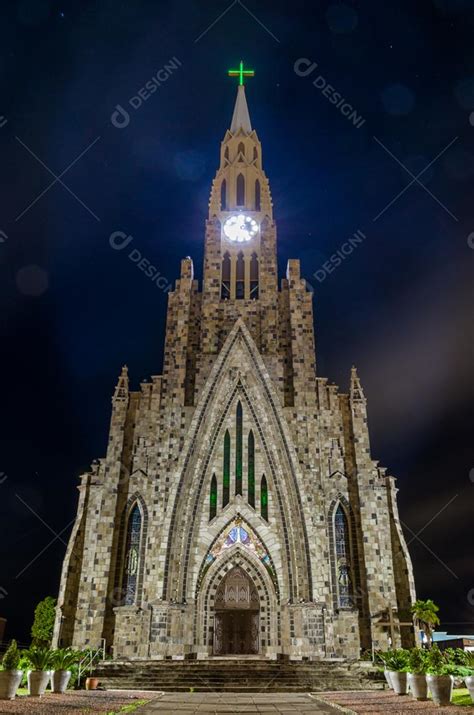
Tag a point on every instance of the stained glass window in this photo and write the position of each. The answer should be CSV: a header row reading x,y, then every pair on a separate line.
x,y
238,450
264,498
213,498
343,565
226,470
132,556
238,535
251,469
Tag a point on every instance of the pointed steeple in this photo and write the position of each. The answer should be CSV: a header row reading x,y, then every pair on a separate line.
x,y
357,393
241,117
121,389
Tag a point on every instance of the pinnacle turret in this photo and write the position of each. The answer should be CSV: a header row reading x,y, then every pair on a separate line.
x,y
121,389
357,393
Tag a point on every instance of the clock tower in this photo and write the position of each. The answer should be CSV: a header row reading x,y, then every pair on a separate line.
x,y
240,261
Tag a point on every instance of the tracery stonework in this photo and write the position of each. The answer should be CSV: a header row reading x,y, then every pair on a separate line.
x,y
238,508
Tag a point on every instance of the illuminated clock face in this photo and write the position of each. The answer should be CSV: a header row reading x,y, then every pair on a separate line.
x,y
240,228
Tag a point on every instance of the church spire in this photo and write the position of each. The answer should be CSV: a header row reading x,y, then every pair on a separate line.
x,y
240,184
241,117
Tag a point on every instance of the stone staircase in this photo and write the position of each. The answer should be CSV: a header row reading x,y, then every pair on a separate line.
x,y
238,675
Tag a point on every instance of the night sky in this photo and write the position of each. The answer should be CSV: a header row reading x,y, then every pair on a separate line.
x,y
73,310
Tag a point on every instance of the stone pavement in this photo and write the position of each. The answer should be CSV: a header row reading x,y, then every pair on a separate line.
x,y
202,703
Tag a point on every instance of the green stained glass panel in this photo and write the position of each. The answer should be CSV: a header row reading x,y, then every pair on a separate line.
x,y
238,451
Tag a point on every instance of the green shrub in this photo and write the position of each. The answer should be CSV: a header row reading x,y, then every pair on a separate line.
x,y
456,656
65,658
469,660
11,658
43,624
395,660
39,658
437,662
417,661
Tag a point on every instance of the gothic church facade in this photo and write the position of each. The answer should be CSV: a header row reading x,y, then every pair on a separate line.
x,y
238,509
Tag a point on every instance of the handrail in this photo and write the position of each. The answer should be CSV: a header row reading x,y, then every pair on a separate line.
x,y
92,657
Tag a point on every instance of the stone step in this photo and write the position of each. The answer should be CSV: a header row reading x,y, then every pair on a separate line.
x,y
241,675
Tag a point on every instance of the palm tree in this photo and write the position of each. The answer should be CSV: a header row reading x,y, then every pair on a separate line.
x,y
426,618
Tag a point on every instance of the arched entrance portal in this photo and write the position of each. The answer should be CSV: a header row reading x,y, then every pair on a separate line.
x,y
237,615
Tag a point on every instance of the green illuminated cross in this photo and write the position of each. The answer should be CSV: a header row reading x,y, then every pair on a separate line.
x,y
241,73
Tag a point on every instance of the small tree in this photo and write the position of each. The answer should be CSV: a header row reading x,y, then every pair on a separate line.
x,y
425,614
43,624
11,657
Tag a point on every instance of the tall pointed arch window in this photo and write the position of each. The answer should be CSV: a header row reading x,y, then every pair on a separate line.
x,y
238,449
132,556
253,277
241,149
343,558
226,470
255,153
240,190
213,498
226,153
240,277
264,498
223,195
225,282
251,469
257,195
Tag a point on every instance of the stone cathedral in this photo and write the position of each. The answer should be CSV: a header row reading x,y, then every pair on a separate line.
x,y
238,509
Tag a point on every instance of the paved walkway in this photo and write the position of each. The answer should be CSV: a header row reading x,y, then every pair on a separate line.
x,y
202,703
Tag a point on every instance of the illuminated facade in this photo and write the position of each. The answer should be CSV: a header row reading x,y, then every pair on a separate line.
x,y
238,508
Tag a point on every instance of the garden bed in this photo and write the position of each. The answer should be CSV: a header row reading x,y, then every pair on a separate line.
x,y
73,702
387,703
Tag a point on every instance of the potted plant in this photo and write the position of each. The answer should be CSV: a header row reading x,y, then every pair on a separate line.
x,y
62,660
10,675
417,674
383,658
40,660
469,679
397,664
439,679
425,614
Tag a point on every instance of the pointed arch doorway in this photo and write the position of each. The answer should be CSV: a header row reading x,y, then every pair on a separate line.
x,y
237,615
